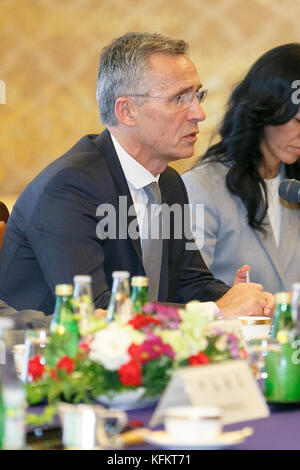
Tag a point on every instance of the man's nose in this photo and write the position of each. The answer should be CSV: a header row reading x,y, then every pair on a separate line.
x,y
196,112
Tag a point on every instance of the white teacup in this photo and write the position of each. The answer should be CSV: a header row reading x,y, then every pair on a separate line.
x,y
255,327
193,423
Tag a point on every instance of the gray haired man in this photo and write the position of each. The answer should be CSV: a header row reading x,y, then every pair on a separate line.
x,y
149,95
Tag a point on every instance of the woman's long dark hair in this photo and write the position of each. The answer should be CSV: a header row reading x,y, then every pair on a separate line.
x,y
263,98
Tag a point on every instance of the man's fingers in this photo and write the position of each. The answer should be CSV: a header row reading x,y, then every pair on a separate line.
x,y
256,286
270,304
240,275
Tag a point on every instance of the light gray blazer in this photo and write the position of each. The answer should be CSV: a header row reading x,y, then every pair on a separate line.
x,y
229,242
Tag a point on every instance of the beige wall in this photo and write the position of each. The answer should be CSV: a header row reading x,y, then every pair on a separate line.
x,y
49,57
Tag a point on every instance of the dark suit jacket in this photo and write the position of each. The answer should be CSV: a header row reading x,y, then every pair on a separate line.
x,y
51,234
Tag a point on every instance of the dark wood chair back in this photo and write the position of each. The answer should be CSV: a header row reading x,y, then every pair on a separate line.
x,y
4,214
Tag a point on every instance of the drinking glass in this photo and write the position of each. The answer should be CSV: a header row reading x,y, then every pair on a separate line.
x,y
89,427
257,350
34,354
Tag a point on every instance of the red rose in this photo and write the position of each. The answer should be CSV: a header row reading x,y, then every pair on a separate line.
x,y
130,373
199,358
141,321
35,368
65,363
135,351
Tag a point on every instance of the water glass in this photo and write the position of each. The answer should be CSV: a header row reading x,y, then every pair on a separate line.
x,y
257,350
34,359
88,427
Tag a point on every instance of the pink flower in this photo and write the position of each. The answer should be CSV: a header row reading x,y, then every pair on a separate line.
x,y
168,317
154,347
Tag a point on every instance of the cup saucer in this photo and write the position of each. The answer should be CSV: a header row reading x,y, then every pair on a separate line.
x,y
164,440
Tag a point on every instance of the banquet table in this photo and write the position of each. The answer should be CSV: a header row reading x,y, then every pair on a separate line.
x,y
279,431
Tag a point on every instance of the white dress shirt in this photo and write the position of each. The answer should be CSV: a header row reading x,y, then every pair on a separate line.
x,y
137,177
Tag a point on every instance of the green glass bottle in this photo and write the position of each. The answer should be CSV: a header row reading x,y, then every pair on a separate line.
x,y
282,322
64,324
83,305
282,365
139,292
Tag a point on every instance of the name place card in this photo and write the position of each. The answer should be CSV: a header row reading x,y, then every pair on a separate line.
x,y
228,385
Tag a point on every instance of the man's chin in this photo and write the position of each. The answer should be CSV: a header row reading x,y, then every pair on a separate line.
x,y
183,156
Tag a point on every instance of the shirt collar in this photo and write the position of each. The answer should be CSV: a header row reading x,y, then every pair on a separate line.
x,y
135,173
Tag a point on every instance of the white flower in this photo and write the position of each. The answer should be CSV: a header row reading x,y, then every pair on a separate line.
x,y
221,343
110,347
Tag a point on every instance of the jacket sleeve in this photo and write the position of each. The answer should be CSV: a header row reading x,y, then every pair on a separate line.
x,y
63,233
25,318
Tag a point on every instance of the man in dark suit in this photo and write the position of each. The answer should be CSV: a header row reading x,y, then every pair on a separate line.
x,y
149,95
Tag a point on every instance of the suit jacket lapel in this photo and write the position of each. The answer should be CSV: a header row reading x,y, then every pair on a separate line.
x,y
268,243
104,143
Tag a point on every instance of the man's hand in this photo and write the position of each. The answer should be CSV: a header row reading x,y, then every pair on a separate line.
x,y
240,275
246,299
100,313
269,308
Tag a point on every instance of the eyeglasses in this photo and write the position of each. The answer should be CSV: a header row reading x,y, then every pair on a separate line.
x,y
183,101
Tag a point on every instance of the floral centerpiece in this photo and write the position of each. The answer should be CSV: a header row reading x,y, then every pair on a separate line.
x,y
129,354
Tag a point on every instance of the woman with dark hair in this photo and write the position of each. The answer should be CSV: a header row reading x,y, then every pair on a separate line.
x,y
245,221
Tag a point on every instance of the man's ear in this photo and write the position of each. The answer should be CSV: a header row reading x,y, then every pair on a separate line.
x,y
125,110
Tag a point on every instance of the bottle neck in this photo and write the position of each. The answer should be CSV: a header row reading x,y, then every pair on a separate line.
x,y
139,297
120,301
63,309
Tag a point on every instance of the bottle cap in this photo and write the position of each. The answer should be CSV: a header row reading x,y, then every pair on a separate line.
x,y
64,289
82,278
283,297
139,281
121,274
